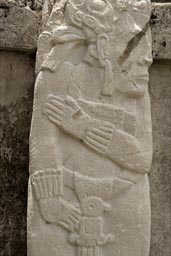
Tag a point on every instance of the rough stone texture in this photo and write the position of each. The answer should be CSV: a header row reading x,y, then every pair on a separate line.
x,y
32,4
14,173
91,135
160,176
16,93
19,26
161,31
27,12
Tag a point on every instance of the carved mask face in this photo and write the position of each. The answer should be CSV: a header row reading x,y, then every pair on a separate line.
x,y
92,16
92,207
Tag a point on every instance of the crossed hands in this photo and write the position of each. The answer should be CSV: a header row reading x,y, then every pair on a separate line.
x,y
68,116
62,111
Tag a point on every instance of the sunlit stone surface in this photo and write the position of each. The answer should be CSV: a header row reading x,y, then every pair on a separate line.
x,y
90,141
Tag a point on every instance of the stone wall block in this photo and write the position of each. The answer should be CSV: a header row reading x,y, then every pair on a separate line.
x,y
19,26
161,30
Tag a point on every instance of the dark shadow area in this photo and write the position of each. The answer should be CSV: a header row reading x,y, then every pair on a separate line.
x,y
160,176
16,87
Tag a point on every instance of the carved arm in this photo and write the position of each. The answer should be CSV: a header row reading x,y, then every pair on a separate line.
x,y
100,136
119,146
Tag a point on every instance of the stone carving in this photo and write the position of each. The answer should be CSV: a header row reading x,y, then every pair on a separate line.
x,y
48,187
85,222
97,134
90,141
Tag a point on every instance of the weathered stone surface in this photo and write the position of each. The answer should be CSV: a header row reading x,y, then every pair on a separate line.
x,y
13,13
19,26
91,139
160,175
13,174
161,31
32,4
16,93
14,197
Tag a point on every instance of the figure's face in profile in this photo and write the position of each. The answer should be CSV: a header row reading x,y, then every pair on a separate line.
x,y
137,72
134,76
132,70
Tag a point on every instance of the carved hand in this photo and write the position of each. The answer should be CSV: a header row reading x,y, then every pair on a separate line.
x,y
70,217
99,138
68,116
65,113
98,135
48,191
61,212
61,111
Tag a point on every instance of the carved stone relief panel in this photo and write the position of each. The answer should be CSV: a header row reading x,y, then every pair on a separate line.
x,y
90,141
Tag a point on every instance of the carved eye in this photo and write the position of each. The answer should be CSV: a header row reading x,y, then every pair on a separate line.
x,y
78,16
89,21
92,206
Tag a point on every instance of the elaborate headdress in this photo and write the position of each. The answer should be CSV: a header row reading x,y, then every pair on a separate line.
x,y
97,15
95,18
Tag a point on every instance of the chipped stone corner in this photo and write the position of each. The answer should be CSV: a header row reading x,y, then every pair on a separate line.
x,y
161,30
20,23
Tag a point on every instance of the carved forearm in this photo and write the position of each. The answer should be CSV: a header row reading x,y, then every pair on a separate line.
x,y
125,150
120,147
100,136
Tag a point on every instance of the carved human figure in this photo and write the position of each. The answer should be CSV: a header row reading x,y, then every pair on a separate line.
x,y
91,131
84,221
70,115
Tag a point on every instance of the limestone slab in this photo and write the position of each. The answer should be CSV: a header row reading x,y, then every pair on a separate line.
x,y
91,135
